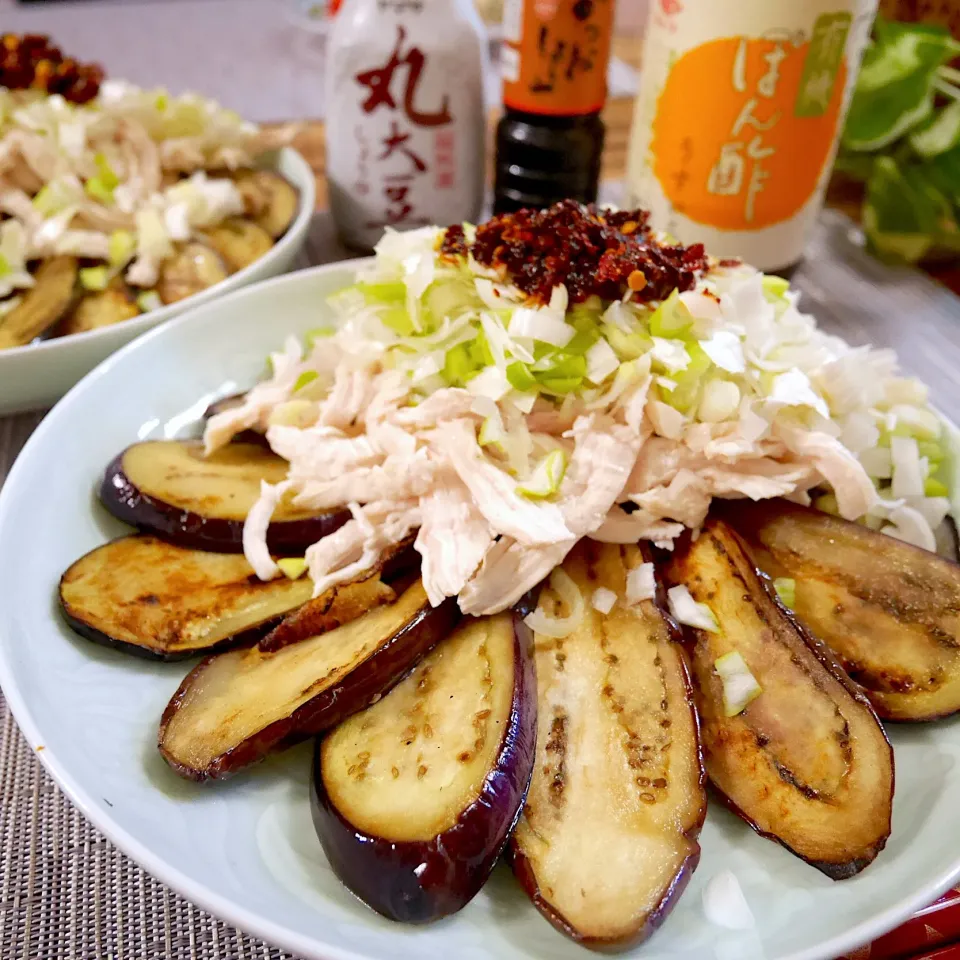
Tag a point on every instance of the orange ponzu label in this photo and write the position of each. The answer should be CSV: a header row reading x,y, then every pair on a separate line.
x,y
744,126
559,65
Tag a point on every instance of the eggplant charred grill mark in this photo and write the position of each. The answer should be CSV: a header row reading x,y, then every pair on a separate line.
x,y
902,610
890,681
556,751
843,740
922,615
648,756
481,719
841,736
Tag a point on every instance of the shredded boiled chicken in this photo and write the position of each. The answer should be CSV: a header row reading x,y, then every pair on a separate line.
x,y
379,429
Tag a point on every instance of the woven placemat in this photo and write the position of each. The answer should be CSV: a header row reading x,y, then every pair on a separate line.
x,y
66,893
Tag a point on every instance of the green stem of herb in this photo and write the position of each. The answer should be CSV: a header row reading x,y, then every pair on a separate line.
x,y
948,89
950,73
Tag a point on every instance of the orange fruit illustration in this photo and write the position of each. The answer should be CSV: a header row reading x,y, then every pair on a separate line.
x,y
765,171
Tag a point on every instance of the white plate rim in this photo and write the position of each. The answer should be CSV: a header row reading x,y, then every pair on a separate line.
x,y
259,925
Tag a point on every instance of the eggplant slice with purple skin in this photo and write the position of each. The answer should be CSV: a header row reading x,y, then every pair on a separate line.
x,y
805,763
397,566
889,611
151,598
43,304
234,708
169,488
414,799
608,837
252,435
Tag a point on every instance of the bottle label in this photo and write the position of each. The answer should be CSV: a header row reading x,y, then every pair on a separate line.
x,y
558,63
737,123
405,127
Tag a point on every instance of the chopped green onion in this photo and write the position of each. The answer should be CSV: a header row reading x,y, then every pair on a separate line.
x,y
740,687
121,248
671,319
5,267
492,434
582,341
827,503
318,333
774,287
101,186
459,365
565,375
627,346
94,278
546,478
786,589
293,567
97,189
931,450
308,376
686,395
480,351
162,100
935,488
519,377
52,198
398,319
149,300
561,386
106,172
388,292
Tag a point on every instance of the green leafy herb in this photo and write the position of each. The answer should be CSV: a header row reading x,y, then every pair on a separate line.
x,y
902,141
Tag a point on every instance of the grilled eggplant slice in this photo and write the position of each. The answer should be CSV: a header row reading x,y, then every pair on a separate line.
x,y
889,611
103,309
190,270
397,567
239,242
251,435
414,799
235,708
148,597
42,305
608,837
168,487
806,763
269,200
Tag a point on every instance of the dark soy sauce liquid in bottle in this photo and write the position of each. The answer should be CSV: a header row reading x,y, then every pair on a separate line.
x,y
550,138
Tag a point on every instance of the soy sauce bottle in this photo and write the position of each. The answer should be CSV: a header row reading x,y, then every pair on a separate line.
x,y
550,138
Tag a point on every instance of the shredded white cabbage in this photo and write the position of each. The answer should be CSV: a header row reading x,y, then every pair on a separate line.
x,y
506,430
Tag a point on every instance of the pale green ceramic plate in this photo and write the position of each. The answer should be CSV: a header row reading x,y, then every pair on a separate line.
x,y
245,850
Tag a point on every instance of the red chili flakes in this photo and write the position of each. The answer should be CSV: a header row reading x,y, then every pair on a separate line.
x,y
454,243
31,62
589,251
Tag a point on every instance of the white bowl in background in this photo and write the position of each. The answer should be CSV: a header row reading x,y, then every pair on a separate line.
x,y
39,374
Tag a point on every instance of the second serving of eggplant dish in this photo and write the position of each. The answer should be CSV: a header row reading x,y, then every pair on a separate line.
x,y
115,201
